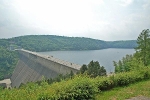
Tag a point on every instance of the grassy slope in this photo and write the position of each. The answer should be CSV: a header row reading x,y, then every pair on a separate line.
x,y
121,93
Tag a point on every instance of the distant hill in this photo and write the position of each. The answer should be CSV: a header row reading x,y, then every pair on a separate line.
x,y
41,43
122,44
52,42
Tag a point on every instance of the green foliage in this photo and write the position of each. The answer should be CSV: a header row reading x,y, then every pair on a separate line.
x,y
143,48
93,69
8,61
104,83
128,92
4,43
59,78
128,63
83,68
52,42
80,87
122,44
122,79
140,58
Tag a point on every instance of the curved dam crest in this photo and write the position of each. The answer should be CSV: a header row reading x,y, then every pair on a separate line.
x,y
32,67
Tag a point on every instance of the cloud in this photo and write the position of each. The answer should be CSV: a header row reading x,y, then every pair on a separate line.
x,y
146,5
100,19
124,2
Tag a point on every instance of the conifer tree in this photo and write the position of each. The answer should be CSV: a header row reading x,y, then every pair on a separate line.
x,y
83,69
143,48
94,69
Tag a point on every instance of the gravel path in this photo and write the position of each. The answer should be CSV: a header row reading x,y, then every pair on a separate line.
x,y
139,98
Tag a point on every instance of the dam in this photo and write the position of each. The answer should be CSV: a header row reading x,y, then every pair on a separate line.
x,y
32,66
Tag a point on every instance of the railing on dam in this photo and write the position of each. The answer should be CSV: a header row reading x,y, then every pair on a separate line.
x,y
33,66
51,58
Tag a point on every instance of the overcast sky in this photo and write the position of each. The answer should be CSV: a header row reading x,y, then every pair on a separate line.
x,y
98,19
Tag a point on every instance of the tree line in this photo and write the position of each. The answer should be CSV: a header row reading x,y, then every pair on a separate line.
x,y
41,43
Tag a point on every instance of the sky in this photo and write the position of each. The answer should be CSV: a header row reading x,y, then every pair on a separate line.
x,y
99,19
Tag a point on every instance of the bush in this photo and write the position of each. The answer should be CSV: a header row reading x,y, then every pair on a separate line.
x,y
125,78
83,87
121,79
79,88
104,83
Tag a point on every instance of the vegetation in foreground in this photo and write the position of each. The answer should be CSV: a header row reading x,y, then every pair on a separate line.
x,y
122,93
138,60
88,85
80,87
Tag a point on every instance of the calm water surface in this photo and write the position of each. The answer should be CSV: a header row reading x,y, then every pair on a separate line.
x,y
105,57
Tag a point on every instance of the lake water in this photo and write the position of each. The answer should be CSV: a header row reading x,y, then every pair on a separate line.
x,y
105,56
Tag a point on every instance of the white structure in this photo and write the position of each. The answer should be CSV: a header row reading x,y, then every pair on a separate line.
x,y
7,82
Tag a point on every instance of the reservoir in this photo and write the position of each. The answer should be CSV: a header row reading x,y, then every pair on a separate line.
x,y
105,56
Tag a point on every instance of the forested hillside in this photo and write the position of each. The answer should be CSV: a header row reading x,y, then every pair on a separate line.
x,y
122,44
91,82
8,61
8,58
4,43
49,43
52,42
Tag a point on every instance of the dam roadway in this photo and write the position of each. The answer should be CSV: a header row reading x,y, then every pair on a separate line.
x,y
32,66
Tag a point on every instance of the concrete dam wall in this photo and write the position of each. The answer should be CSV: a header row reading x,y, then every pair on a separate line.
x,y
32,67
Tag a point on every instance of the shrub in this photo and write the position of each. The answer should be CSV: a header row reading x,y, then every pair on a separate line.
x,y
79,88
121,79
104,83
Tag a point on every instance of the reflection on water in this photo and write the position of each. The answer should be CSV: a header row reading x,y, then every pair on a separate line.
x,y
105,56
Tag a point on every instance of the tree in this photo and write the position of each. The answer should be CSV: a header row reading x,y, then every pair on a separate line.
x,y
83,69
102,71
94,69
140,58
8,61
125,64
143,48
